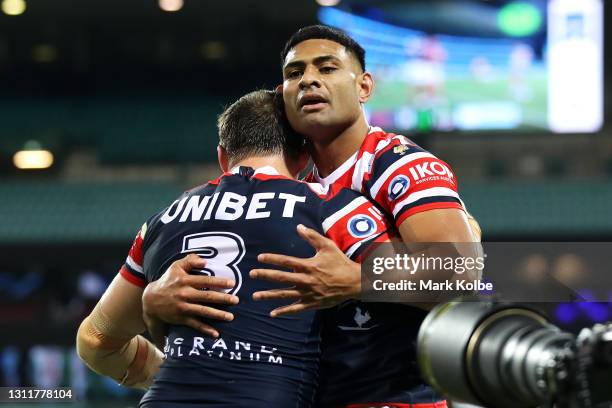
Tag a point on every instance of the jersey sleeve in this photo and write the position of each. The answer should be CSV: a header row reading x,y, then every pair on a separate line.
x,y
354,223
132,270
406,180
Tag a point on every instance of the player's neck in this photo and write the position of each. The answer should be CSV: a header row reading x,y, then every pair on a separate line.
x,y
329,153
278,162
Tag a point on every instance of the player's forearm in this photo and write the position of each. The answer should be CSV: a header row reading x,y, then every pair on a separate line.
x,y
131,362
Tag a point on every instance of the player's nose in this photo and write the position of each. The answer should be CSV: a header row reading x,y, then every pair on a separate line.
x,y
310,78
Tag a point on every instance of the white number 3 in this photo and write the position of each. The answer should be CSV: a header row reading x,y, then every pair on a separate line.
x,y
222,251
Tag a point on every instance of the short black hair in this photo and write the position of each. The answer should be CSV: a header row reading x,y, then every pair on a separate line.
x,y
322,32
256,125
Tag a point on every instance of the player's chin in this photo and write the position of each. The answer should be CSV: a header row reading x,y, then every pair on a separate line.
x,y
314,120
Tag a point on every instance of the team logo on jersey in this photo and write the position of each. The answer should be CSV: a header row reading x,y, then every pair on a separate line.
x,y
361,226
398,186
401,149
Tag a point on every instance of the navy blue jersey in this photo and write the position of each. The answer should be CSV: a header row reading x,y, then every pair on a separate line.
x,y
258,361
368,357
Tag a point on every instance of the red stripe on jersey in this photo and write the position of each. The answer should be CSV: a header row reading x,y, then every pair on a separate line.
x,y
439,404
426,207
128,276
136,250
218,179
346,235
263,176
418,175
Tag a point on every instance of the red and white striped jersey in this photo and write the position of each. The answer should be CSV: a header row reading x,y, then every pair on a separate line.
x,y
401,177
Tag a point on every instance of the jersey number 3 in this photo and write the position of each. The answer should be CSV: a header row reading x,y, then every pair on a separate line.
x,y
222,251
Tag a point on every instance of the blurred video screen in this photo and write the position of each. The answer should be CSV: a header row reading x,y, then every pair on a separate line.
x,y
444,65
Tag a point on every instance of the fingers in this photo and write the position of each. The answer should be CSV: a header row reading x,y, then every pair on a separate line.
x,y
275,294
200,326
206,312
208,296
290,262
316,240
191,261
293,308
205,281
272,275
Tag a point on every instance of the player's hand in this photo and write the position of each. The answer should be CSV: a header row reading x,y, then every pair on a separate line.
x,y
324,280
177,298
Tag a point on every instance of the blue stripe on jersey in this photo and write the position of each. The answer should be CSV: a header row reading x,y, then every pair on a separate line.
x,y
386,159
428,200
339,200
363,246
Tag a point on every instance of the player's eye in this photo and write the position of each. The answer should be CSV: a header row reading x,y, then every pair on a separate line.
x,y
327,69
294,74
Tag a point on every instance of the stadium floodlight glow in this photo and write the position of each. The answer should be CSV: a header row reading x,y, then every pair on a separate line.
x,y
13,7
33,156
328,3
33,159
171,5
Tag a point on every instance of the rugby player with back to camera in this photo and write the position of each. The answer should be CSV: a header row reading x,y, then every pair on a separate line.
x,y
368,353
257,206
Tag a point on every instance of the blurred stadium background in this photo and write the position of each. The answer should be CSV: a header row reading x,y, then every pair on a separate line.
x,y
108,111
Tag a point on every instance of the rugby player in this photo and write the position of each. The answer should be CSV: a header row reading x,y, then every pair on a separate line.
x,y
255,207
369,348
324,87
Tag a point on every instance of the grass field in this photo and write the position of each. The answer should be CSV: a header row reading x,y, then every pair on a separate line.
x,y
393,94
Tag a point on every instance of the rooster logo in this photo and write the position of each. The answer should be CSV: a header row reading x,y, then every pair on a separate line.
x,y
361,318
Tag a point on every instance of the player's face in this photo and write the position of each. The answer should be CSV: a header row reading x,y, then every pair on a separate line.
x,y
322,87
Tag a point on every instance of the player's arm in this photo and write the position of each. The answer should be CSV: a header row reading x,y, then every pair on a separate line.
x,y
420,192
177,298
108,340
325,280
353,226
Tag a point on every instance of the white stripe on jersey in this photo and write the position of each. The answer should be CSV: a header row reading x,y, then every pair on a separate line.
x,y
364,164
132,264
336,174
318,188
404,160
384,143
361,168
332,219
349,252
430,192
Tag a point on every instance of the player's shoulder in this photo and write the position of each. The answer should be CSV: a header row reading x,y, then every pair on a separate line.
x,y
379,141
339,198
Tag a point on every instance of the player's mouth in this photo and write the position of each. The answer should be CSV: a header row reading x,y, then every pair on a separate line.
x,y
311,102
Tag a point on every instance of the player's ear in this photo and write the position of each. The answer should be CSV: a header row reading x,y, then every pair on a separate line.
x,y
279,89
222,157
366,86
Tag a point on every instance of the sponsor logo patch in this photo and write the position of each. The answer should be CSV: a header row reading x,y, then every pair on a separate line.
x,y
361,226
398,186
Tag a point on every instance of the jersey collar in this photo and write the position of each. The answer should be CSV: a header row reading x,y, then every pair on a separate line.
x,y
343,168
